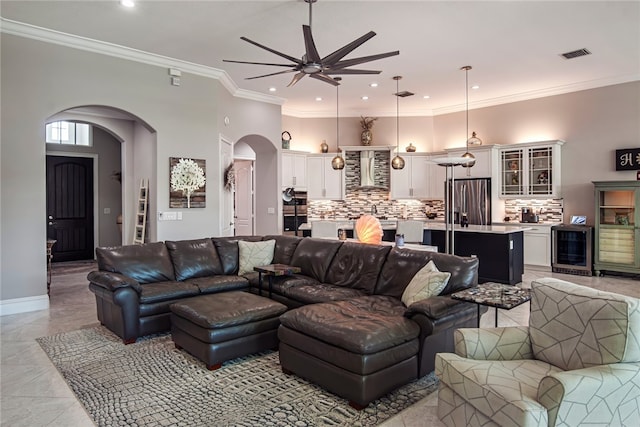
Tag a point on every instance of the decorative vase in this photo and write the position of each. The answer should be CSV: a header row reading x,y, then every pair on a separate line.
x,y
411,148
324,147
366,137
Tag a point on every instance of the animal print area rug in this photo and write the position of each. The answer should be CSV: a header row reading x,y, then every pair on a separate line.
x,y
151,383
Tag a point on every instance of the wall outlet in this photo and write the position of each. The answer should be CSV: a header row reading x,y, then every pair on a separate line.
x,y
107,211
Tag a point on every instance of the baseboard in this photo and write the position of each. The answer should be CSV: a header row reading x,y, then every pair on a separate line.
x,y
23,305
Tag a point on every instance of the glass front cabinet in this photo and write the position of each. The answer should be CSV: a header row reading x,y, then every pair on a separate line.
x,y
530,170
616,227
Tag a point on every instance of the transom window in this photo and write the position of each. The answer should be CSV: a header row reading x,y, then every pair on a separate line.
x,y
70,133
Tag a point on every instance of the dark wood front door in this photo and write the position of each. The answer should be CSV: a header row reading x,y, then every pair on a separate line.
x,y
70,207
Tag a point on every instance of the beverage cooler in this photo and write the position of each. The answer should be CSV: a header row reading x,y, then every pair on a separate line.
x,y
572,249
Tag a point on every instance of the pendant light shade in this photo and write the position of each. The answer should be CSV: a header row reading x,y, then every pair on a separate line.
x,y
476,140
398,162
337,163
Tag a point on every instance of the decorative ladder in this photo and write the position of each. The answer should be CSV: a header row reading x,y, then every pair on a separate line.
x,y
141,215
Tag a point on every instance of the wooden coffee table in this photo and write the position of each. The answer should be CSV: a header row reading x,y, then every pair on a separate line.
x,y
496,295
274,270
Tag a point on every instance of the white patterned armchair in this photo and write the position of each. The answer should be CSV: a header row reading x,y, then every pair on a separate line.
x,y
577,363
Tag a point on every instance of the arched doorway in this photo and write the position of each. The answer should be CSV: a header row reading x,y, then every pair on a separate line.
x,y
114,178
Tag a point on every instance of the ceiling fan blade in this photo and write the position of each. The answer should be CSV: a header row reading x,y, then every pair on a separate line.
x,y
296,79
260,63
312,54
350,71
284,55
324,78
346,49
362,60
271,74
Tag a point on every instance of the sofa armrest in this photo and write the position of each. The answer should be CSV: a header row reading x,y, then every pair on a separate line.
x,y
437,307
112,281
507,343
602,394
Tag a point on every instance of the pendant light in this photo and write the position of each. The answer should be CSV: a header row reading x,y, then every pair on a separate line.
x,y
337,163
397,162
474,140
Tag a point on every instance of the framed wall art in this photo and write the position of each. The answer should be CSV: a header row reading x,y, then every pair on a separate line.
x,y
187,183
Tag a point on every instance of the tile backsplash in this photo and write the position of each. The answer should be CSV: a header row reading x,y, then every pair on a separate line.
x,y
549,210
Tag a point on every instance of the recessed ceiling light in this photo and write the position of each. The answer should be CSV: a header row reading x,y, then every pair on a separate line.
x,y
475,87
272,89
127,3
318,98
364,98
373,85
426,97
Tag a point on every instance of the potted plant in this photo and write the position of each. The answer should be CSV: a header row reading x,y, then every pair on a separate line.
x,y
366,137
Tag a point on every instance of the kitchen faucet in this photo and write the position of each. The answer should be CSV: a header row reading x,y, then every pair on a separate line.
x,y
374,210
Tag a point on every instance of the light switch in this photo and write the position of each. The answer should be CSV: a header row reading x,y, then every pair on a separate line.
x,y
179,216
271,211
107,211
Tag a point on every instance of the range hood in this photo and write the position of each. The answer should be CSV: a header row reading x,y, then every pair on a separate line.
x,y
367,167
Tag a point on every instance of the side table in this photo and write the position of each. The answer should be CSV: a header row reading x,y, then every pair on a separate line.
x,y
274,270
496,295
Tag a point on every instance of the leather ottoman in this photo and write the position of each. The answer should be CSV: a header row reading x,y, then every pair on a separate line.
x,y
219,327
359,349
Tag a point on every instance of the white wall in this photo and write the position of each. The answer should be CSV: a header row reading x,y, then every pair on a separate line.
x,y
40,79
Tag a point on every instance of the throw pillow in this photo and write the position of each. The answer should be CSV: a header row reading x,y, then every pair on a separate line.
x,y
427,282
254,254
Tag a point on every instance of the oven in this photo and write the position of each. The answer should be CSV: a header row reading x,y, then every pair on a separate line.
x,y
294,213
572,249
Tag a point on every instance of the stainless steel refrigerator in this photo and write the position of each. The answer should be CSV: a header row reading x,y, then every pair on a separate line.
x,y
473,197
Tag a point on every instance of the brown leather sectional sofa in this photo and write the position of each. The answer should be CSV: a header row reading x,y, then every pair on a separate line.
x,y
135,285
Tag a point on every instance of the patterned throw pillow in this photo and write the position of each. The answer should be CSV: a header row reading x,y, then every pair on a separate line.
x,y
427,282
254,254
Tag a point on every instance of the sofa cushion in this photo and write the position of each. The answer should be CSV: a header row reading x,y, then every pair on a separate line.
x,y
320,292
254,254
357,266
363,325
145,263
194,258
212,284
504,391
227,248
427,282
402,264
285,247
587,327
162,291
314,256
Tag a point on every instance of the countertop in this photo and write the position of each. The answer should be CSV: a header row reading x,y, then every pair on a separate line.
x,y
437,225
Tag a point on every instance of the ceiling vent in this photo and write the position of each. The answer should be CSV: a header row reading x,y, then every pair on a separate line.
x,y
404,94
575,53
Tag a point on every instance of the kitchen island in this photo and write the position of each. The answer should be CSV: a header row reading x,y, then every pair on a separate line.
x,y
499,248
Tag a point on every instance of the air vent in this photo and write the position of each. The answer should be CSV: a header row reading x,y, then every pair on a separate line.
x,y
575,53
404,94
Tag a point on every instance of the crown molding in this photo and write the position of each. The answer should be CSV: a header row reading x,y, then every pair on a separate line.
x,y
46,35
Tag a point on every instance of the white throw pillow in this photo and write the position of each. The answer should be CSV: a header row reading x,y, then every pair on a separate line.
x,y
254,254
427,282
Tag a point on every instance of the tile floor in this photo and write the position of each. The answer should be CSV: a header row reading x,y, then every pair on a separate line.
x,y
32,392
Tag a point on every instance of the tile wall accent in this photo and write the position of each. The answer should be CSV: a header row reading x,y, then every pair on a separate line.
x,y
549,210
381,163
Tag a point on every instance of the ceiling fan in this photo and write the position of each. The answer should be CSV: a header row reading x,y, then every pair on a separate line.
x,y
313,65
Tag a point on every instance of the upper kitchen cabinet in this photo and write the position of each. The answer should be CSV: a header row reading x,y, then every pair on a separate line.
x,y
412,181
294,170
486,161
530,170
324,182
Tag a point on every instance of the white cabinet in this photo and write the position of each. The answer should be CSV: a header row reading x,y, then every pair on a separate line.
x,y
437,177
412,181
486,161
537,245
530,170
323,181
294,170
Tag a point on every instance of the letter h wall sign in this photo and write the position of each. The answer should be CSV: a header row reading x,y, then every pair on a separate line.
x,y
628,159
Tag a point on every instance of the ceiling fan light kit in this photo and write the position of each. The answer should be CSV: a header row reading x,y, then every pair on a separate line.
x,y
312,64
